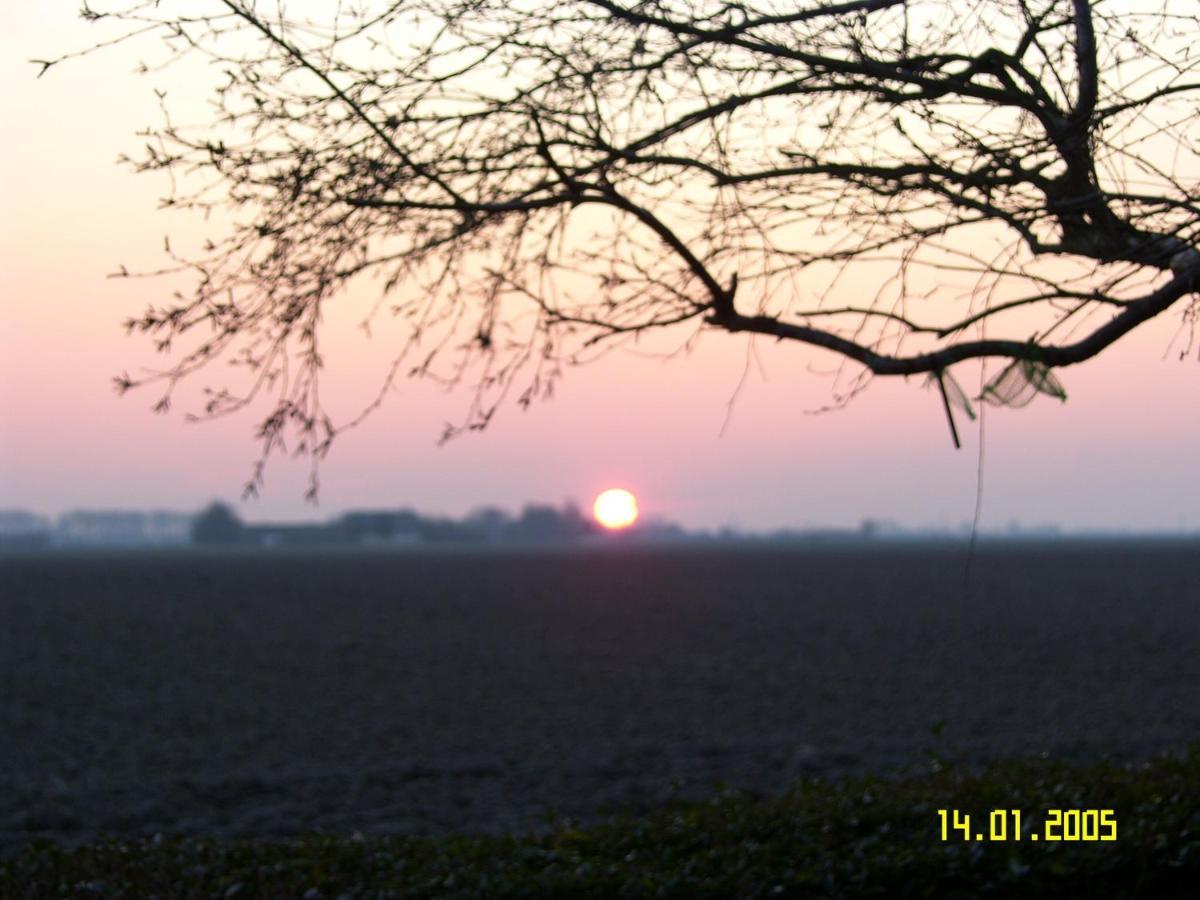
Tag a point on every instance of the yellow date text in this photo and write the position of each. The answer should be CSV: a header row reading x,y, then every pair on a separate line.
x,y
1009,825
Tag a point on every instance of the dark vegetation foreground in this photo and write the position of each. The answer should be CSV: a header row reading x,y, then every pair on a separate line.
x,y
864,837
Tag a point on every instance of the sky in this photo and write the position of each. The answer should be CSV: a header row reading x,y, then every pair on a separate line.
x,y
1119,454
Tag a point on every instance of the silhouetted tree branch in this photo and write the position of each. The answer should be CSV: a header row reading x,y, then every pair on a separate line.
x,y
534,179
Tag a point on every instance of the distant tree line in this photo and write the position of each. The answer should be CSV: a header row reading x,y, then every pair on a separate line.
x,y
218,524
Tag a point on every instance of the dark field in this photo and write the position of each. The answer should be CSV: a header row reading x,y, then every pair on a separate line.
x,y
480,691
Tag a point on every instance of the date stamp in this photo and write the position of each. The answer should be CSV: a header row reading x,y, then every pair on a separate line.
x,y
1007,825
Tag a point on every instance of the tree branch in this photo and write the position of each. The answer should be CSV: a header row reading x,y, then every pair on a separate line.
x,y
1135,313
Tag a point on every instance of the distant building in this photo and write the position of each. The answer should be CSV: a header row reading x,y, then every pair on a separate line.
x,y
297,535
120,528
382,526
21,528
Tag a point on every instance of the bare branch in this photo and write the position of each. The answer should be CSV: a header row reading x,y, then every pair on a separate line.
x,y
534,182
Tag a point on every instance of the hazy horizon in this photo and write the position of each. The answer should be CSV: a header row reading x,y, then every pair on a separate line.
x,y
246,512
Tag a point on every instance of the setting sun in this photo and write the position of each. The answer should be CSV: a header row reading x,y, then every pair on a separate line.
x,y
615,508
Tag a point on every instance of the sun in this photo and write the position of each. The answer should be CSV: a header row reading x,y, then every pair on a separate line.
x,y
615,509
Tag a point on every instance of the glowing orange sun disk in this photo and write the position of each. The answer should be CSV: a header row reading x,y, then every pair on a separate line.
x,y
615,508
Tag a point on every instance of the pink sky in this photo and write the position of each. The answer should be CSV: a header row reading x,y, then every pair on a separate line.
x,y
1120,453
